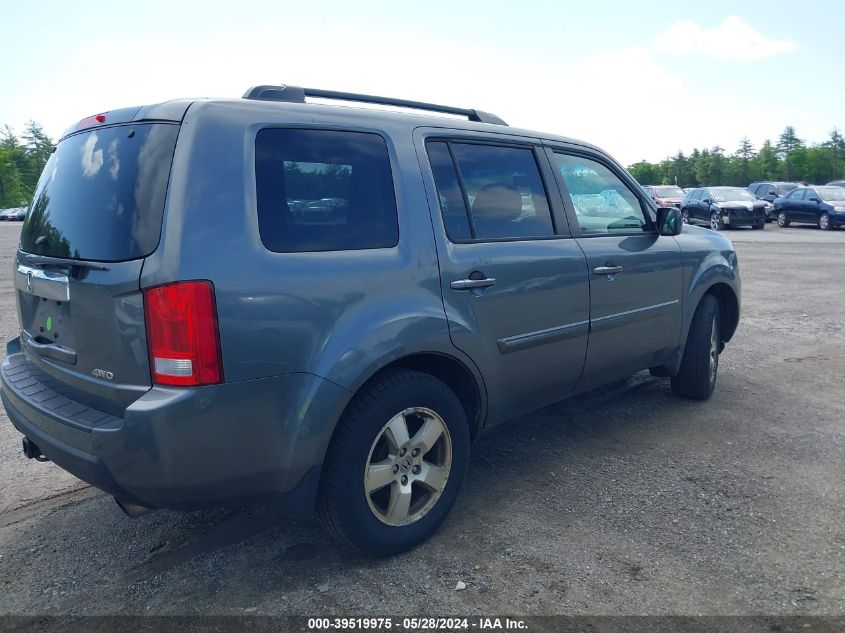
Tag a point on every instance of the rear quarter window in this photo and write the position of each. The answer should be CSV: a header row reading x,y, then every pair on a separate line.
x,y
324,190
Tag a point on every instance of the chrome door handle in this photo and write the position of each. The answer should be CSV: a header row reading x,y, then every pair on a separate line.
x,y
469,284
607,270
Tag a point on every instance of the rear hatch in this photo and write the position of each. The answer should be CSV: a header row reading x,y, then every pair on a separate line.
x,y
95,216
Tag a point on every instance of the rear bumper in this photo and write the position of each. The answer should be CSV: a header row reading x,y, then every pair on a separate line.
x,y
191,447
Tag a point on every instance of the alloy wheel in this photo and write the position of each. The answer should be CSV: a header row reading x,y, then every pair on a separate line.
x,y
408,466
714,221
714,350
824,222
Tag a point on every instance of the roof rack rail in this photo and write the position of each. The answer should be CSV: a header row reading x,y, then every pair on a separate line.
x,y
294,94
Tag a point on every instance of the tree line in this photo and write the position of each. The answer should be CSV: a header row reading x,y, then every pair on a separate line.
x,y
22,160
789,159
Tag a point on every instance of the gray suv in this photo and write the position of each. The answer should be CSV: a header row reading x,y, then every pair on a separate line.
x,y
267,298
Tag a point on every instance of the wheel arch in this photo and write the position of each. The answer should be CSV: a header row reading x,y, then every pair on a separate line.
x,y
457,375
728,308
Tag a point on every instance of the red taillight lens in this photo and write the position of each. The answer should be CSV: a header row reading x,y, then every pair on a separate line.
x,y
182,334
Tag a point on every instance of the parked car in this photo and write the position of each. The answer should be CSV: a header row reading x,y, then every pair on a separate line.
x,y
665,195
17,213
836,183
208,346
719,207
769,191
822,206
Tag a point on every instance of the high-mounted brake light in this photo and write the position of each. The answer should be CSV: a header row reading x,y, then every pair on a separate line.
x,y
182,334
94,119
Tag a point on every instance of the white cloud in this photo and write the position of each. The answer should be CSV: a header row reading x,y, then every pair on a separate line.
x,y
732,39
92,159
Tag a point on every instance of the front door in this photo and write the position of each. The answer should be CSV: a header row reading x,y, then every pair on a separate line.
x,y
514,282
636,275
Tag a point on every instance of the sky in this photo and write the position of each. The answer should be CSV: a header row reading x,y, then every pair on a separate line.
x,y
642,80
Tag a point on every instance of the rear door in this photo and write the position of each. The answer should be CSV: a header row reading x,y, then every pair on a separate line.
x,y
97,212
636,275
514,282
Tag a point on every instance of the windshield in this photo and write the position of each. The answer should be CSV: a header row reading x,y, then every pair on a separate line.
x,y
101,194
731,194
668,192
832,194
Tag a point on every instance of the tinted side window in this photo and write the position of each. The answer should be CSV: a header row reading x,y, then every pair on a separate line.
x,y
323,190
449,194
602,202
504,191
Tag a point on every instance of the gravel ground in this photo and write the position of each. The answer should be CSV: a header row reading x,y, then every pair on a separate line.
x,y
622,501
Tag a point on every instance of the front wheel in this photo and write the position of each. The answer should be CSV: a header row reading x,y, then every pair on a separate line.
x,y
685,216
715,220
759,225
782,221
396,463
700,364
824,222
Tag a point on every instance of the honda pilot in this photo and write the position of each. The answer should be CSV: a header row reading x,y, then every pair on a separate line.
x,y
323,304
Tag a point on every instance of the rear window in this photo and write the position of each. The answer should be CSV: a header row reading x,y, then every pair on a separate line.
x,y
101,195
324,190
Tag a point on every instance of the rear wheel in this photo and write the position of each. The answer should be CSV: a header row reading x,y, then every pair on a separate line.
x,y
396,463
782,221
824,222
700,364
715,221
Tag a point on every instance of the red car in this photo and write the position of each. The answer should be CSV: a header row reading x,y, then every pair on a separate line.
x,y
665,195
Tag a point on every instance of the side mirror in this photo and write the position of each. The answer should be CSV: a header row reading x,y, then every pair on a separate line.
x,y
814,199
707,201
669,221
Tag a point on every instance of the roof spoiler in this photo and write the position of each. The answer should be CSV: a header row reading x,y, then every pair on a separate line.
x,y
295,94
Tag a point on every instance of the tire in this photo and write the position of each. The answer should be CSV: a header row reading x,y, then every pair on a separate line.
x,y
376,522
715,221
685,216
824,222
782,221
700,364
760,225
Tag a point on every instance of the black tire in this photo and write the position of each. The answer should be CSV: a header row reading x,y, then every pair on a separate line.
x,y
782,221
760,225
697,377
824,222
685,216
715,221
343,506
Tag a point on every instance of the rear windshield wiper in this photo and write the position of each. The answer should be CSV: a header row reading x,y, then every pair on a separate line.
x,y
43,260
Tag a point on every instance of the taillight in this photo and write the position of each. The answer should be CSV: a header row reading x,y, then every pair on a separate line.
x,y
182,334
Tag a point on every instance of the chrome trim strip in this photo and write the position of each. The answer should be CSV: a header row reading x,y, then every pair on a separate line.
x,y
630,316
42,283
542,337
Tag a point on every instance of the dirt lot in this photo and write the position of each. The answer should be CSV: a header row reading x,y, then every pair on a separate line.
x,y
623,501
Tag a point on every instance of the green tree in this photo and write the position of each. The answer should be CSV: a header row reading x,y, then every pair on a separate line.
x,y
744,154
788,144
